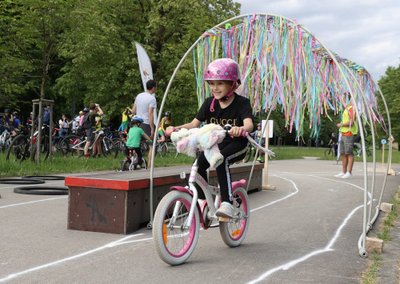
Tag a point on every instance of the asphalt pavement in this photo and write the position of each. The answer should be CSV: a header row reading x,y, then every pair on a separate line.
x,y
306,230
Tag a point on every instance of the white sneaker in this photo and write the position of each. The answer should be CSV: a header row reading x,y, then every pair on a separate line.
x,y
339,175
225,210
347,175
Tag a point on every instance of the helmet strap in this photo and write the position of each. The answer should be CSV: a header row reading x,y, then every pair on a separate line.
x,y
212,105
230,93
226,97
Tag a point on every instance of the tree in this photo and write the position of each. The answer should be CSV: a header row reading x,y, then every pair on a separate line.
x,y
77,52
31,32
98,47
390,87
173,27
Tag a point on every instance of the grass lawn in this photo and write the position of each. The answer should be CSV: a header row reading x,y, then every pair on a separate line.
x,y
60,165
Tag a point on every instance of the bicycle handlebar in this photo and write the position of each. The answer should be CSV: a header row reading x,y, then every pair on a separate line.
x,y
226,131
247,135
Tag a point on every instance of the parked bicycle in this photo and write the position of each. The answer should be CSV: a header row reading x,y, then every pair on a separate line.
x,y
74,144
357,149
5,140
20,147
178,216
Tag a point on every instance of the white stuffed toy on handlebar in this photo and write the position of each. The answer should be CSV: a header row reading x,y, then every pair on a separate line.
x,y
207,139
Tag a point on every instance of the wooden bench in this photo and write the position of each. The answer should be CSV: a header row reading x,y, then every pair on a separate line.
x,y
119,202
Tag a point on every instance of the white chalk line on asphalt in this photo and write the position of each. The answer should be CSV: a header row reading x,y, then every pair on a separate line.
x,y
120,242
327,248
281,199
31,202
47,265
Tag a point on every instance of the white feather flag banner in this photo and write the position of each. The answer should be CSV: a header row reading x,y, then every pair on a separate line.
x,y
144,64
145,69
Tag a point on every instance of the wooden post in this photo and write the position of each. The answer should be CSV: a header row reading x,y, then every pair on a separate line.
x,y
265,184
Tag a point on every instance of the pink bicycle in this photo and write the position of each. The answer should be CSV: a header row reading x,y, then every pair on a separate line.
x,y
179,215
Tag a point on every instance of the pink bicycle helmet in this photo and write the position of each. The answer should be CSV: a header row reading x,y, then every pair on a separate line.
x,y
225,69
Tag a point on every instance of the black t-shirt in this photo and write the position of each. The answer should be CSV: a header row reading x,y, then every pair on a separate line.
x,y
234,114
89,121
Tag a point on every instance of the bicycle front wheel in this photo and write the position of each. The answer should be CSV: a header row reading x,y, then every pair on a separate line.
x,y
234,231
162,149
173,241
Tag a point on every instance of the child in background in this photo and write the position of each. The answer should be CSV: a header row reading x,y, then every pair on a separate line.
x,y
135,136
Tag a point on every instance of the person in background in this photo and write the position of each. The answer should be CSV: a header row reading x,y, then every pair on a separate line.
x,y
46,115
85,112
8,120
260,140
348,129
2,124
63,124
160,136
88,124
16,120
97,150
125,117
75,122
29,120
333,143
166,120
134,139
144,106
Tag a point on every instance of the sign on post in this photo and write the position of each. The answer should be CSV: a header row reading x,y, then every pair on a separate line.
x,y
267,128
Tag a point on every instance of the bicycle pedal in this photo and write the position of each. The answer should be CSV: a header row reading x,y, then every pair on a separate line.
x,y
224,219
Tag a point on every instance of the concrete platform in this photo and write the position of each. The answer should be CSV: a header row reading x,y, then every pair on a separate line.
x,y
120,202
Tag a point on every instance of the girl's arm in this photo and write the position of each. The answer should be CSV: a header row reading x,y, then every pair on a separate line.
x,y
193,124
248,126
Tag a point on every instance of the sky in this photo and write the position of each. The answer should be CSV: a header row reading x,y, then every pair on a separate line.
x,y
366,32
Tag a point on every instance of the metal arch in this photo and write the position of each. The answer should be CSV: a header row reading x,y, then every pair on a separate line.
x,y
362,250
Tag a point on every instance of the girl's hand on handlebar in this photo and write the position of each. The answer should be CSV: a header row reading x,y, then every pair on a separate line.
x,y
237,131
169,130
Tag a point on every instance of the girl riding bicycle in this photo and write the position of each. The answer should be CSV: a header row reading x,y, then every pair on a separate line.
x,y
224,107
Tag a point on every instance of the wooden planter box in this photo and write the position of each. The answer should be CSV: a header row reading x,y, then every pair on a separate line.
x,y
119,202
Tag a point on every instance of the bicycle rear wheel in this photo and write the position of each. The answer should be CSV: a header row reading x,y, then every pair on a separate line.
x,y
118,146
234,231
175,243
125,165
68,146
107,146
19,148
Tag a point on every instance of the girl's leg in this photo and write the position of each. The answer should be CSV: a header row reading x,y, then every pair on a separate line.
x,y
231,152
203,165
139,155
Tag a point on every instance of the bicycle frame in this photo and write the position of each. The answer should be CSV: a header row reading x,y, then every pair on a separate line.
x,y
209,190
79,147
179,216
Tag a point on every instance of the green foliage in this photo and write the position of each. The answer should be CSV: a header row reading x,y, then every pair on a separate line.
x,y
390,87
77,52
31,31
